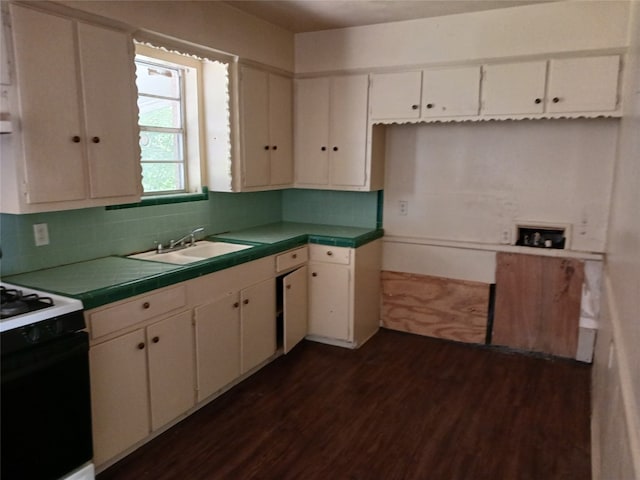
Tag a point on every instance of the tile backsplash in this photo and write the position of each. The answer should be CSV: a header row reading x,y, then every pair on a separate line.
x,y
78,235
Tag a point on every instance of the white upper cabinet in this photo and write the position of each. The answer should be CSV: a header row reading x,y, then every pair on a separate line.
x,y
586,86
77,141
395,95
331,149
111,113
558,87
267,127
583,84
514,88
426,94
450,92
312,131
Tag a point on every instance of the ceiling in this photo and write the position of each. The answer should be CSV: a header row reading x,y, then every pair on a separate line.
x,y
313,15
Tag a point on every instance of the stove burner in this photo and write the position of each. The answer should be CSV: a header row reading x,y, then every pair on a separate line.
x,y
14,302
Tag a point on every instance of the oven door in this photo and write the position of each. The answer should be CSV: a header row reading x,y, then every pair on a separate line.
x,y
46,409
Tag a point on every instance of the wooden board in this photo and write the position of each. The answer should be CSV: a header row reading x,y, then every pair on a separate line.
x,y
435,307
538,303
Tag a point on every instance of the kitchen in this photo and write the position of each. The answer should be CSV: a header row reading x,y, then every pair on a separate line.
x,y
607,145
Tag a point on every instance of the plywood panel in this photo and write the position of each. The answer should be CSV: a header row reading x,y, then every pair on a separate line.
x,y
434,306
538,303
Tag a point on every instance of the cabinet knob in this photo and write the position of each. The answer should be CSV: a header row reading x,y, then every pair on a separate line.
x,y
146,305
556,99
538,100
295,255
245,301
314,274
155,339
323,148
288,287
429,105
335,149
236,305
414,107
330,253
95,139
266,147
275,147
75,139
141,346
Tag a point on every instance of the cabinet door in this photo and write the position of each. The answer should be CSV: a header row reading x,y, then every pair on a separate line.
x,y
254,111
295,308
583,84
513,88
281,129
258,323
348,130
217,344
54,142
450,92
111,114
329,297
395,95
171,368
119,395
312,131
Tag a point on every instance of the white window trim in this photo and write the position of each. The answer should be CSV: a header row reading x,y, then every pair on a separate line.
x,y
207,143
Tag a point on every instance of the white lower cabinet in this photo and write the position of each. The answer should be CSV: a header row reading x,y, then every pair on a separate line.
x,y
119,394
329,301
156,355
217,344
234,334
295,306
257,323
171,369
140,381
344,293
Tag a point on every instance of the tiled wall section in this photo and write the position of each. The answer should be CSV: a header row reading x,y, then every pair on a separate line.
x,y
77,235
354,209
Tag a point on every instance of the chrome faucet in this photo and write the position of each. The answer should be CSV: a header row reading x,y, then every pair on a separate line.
x,y
181,243
191,236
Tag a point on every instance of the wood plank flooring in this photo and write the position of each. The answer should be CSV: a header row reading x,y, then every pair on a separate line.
x,y
401,407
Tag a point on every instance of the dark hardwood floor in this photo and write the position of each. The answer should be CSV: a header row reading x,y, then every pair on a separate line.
x,y
400,407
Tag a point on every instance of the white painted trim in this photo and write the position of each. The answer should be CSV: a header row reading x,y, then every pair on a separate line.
x,y
624,371
492,247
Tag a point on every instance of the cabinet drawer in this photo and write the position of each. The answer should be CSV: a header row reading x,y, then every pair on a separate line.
x,y
329,254
291,259
112,319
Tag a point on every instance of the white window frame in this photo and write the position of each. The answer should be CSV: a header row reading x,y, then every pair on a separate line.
x,y
181,131
211,118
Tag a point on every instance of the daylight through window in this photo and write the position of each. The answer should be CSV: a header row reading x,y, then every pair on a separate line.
x,y
162,133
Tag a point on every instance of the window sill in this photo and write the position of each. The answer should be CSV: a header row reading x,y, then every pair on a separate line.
x,y
165,200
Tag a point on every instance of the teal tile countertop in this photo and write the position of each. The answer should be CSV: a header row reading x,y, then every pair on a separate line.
x,y
105,280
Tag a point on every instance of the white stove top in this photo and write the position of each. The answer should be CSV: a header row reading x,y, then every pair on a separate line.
x,y
61,305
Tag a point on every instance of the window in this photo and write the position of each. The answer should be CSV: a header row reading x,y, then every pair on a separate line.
x,y
161,105
184,119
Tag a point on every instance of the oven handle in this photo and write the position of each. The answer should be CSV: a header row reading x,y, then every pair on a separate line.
x,y
39,357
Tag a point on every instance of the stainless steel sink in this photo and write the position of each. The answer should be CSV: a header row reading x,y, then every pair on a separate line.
x,y
196,253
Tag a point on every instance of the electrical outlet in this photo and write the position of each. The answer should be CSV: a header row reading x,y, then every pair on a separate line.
x,y
41,234
505,238
404,207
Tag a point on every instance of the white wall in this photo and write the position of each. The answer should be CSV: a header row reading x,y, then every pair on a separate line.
x,y
212,24
616,389
471,182
541,29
